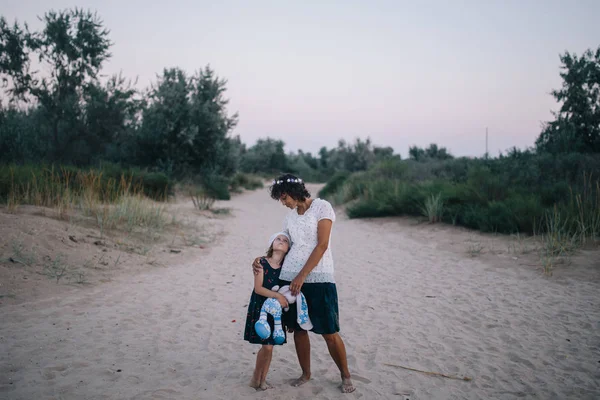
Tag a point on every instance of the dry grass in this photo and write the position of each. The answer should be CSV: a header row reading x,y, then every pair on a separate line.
x,y
110,204
521,244
129,213
558,242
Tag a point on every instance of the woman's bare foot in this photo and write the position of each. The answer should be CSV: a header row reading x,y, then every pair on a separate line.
x,y
266,385
301,381
347,386
254,384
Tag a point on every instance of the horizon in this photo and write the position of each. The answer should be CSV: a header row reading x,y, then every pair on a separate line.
x,y
400,74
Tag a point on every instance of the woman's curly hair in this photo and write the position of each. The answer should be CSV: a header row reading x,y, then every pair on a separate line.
x,y
290,185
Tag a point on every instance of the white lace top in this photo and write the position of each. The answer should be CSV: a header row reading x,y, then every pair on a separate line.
x,y
303,232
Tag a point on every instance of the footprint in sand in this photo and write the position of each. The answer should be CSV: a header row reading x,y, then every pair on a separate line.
x,y
361,379
160,394
316,390
134,380
518,359
49,373
185,382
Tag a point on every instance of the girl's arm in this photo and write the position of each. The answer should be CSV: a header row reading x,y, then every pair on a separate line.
x,y
323,234
262,291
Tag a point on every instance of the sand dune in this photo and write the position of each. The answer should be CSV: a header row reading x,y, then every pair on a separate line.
x,y
409,296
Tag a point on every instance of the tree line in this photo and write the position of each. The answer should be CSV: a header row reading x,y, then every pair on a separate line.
x,y
57,108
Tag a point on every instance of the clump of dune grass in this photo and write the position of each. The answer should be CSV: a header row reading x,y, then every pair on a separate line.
x,y
433,208
519,245
558,241
132,211
201,199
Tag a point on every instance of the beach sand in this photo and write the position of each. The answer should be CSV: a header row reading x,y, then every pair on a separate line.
x,y
429,297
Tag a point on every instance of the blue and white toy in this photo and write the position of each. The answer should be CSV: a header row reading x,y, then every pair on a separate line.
x,y
273,307
270,306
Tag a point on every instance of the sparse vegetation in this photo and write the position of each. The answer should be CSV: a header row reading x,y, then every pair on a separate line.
x,y
56,268
221,211
79,277
21,254
474,248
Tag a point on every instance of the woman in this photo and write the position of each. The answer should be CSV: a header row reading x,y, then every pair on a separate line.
x,y
308,267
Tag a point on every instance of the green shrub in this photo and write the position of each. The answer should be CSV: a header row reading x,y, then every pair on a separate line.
x,y
155,185
334,184
474,216
486,184
498,217
407,198
215,186
554,193
390,169
369,208
526,210
246,181
508,194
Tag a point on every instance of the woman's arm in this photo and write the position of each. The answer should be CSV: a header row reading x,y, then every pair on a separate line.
x,y
257,268
262,291
323,234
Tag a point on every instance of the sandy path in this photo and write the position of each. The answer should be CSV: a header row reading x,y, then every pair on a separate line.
x,y
168,333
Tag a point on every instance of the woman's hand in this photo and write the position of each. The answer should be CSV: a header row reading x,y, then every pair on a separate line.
x,y
282,300
257,267
296,284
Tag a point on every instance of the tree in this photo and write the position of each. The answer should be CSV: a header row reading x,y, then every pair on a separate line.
x,y
185,125
383,153
19,141
111,118
211,123
416,153
576,127
73,46
358,156
267,155
324,158
166,139
432,152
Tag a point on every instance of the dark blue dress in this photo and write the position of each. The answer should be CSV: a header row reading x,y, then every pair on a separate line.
x,y
271,278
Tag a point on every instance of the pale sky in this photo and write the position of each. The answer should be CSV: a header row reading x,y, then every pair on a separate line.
x,y
402,73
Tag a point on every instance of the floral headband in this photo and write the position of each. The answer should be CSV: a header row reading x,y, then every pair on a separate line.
x,y
279,182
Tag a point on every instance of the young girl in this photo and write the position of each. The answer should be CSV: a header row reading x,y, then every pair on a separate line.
x,y
279,245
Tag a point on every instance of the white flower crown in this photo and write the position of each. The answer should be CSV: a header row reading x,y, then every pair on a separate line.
x,y
279,182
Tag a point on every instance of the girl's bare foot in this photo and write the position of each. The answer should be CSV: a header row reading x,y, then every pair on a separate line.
x,y
266,385
301,381
347,386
